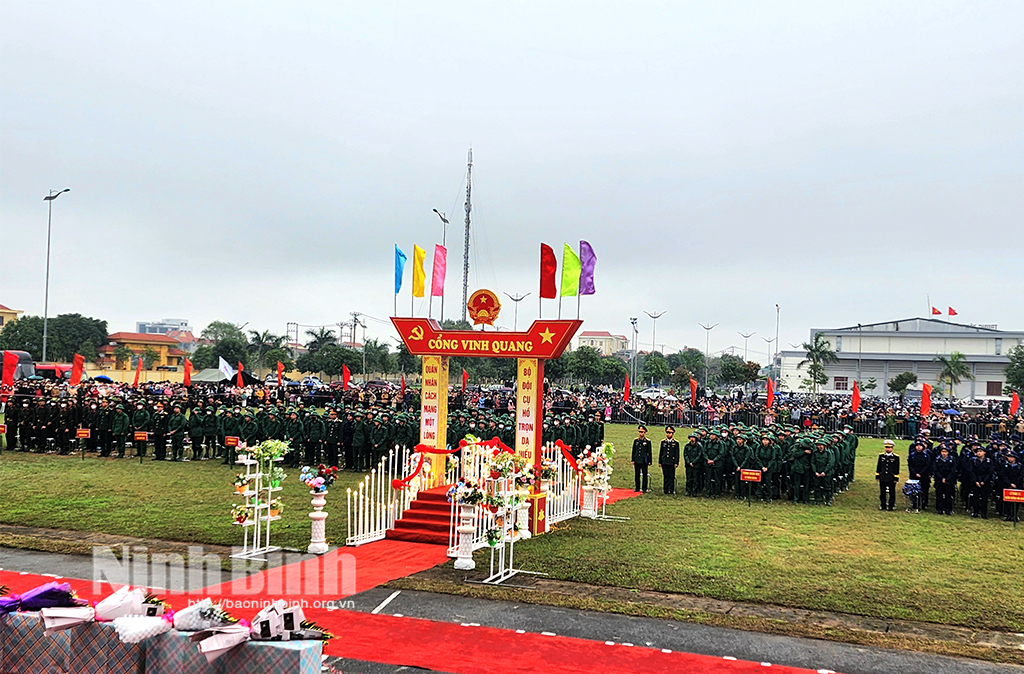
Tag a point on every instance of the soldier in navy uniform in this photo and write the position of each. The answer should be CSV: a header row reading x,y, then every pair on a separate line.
x,y
981,472
887,472
642,459
668,458
945,473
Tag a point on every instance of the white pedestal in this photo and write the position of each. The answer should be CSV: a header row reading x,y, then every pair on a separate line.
x,y
465,530
318,539
589,508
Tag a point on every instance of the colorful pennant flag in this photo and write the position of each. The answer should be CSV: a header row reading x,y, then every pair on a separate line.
x,y
419,276
855,401
771,393
548,267
77,366
188,373
571,269
936,312
440,267
588,260
625,390
399,268
926,399
952,311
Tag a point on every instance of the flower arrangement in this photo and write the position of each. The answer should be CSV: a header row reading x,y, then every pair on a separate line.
x,y
466,492
276,507
321,480
547,469
596,465
526,477
503,464
242,483
240,513
277,475
493,502
269,450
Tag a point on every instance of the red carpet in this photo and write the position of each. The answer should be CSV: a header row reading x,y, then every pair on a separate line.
x,y
427,520
484,650
617,494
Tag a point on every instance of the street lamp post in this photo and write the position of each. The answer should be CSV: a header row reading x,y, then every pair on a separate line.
x,y
707,342
517,299
775,360
654,330
46,301
745,337
632,322
444,243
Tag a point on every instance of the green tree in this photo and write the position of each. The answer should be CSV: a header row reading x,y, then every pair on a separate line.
x,y
735,371
691,359
655,368
320,338
819,353
218,331
585,364
203,358
955,369
232,350
88,351
149,356
406,361
613,372
1015,368
901,382
681,376
123,355
378,356
871,384
307,363
262,342
272,357
65,335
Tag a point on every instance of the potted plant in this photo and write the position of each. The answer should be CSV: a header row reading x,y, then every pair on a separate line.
x,y
240,513
466,492
276,507
277,475
493,502
242,483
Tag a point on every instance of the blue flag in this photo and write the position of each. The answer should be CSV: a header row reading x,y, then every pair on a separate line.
x,y
399,268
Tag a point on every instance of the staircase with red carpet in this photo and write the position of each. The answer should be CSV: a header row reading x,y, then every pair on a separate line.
x,y
427,520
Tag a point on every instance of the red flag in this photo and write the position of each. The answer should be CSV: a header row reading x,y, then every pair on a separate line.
x,y
625,390
465,378
926,399
78,364
188,373
936,312
693,393
1014,403
10,365
403,386
952,311
138,371
346,377
280,371
771,392
238,379
856,397
548,266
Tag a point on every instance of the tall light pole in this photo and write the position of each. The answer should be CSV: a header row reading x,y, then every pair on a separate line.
x,y
745,338
654,331
776,358
632,322
517,299
444,243
707,342
46,301
772,364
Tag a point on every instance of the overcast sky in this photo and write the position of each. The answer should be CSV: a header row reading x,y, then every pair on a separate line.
x,y
257,162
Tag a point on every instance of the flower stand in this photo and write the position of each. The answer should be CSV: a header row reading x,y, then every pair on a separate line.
x,y
465,530
589,508
318,539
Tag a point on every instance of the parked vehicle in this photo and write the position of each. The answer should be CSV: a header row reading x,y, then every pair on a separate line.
x,y
26,368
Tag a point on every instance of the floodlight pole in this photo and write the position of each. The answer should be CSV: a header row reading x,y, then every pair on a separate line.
x,y
517,299
46,297
707,342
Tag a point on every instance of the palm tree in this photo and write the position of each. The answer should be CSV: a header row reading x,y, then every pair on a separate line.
x,y
320,337
378,356
818,354
262,342
954,370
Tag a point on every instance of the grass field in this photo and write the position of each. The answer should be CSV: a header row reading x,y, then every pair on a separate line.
x,y
848,558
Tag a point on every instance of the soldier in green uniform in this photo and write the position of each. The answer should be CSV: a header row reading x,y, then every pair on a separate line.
x,y
361,442
120,427
714,456
230,427
294,435
315,433
140,423
767,460
379,437
800,469
195,431
694,462
160,429
103,423
668,459
821,472
176,427
211,428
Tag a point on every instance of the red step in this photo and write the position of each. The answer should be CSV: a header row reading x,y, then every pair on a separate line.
x,y
427,520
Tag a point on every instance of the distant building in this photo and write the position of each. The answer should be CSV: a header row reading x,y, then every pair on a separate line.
x,y
605,342
884,350
164,326
187,342
8,315
169,353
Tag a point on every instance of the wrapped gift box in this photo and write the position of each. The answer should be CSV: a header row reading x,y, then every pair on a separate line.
x,y
96,649
25,648
259,657
173,653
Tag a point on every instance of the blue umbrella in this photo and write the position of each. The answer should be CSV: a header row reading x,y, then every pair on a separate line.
x,y
953,412
103,377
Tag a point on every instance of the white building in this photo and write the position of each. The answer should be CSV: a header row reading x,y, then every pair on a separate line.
x,y
164,326
884,350
605,342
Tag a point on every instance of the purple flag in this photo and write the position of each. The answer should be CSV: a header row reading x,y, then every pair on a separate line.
x,y
588,260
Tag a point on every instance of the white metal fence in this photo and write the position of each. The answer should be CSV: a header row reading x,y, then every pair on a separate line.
x,y
375,504
563,500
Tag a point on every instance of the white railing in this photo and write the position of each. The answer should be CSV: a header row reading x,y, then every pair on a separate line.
x,y
563,499
472,465
375,505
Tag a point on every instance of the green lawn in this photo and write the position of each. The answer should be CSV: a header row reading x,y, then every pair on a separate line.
x,y
850,558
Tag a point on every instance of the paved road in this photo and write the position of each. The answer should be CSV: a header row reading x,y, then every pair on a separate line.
x,y
670,634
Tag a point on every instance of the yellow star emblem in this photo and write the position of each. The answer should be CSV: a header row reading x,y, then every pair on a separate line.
x,y
545,337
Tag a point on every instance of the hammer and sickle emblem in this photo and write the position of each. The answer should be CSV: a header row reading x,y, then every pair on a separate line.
x,y
416,334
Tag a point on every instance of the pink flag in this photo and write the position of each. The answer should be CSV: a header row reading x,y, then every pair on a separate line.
x,y
440,266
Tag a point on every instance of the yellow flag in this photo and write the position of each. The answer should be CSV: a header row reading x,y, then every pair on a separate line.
x,y
418,275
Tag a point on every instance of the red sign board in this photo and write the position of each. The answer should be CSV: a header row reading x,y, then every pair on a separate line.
x,y
141,436
230,441
83,433
3,428
545,339
750,475
1013,495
